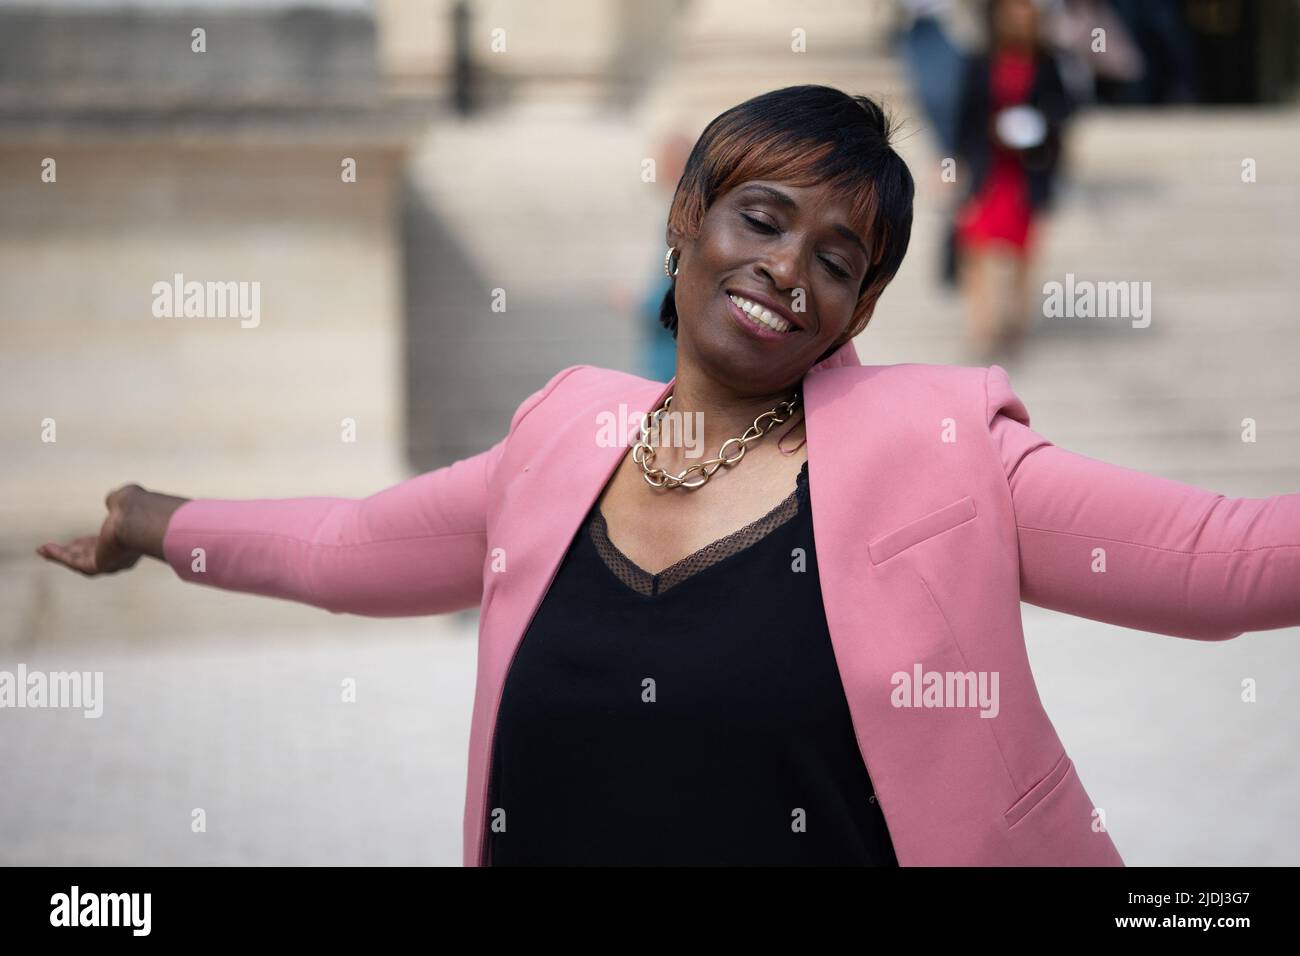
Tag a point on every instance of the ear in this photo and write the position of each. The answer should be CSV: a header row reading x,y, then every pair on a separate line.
x,y
672,238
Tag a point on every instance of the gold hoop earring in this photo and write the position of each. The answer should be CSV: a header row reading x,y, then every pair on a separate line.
x,y
670,270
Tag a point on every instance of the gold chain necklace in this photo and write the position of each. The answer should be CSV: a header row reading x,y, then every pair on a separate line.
x,y
643,453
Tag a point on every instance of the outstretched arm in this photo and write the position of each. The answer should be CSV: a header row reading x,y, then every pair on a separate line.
x,y
415,548
1177,559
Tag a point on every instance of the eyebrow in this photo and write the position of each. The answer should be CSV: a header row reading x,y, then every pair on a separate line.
x,y
784,199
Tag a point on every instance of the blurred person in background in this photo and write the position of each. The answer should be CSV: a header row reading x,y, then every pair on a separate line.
x,y
1087,67
934,65
658,348
1172,74
1014,105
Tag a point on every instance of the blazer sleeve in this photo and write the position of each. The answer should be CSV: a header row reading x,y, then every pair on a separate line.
x,y
415,548
1178,559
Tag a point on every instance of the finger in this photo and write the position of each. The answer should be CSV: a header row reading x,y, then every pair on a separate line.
x,y
56,553
71,556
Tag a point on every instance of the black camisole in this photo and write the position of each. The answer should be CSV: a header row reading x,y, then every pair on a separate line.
x,y
690,717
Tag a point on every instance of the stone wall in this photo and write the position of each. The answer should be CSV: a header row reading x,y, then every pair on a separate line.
x,y
126,158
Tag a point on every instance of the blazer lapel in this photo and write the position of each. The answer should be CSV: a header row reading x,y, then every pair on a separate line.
x,y
564,495
543,510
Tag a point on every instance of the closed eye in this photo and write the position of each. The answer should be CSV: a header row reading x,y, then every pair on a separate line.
x,y
764,228
835,270
758,224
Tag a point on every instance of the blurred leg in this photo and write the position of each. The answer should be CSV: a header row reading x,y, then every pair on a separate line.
x,y
1020,307
979,299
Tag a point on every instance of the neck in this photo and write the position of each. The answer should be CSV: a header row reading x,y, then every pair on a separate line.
x,y
718,413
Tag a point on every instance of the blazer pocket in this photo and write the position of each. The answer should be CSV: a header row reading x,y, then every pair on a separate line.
x,y
914,532
1039,791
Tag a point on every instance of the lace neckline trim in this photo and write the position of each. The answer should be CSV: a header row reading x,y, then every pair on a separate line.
x,y
651,585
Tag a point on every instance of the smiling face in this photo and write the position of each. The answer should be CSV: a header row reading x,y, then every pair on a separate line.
x,y
768,285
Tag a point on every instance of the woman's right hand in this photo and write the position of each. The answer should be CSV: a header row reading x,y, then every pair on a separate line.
x,y
135,525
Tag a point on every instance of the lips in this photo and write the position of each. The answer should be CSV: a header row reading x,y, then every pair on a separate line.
x,y
763,311
752,327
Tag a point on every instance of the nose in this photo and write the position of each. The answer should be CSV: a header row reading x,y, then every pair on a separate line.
x,y
784,266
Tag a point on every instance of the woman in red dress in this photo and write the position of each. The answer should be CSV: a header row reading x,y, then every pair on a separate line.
x,y
1013,108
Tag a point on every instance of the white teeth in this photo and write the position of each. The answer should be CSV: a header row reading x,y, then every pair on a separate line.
x,y
761,315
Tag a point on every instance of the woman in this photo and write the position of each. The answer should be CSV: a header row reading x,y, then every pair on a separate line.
x,y
1013,107
687,662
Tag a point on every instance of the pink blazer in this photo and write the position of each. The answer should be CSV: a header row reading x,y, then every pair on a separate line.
x,y
936,511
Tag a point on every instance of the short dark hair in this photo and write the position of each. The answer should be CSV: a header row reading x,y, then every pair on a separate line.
x,y
806,135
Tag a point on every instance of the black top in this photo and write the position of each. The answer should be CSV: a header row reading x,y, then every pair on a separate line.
x,y
690,717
